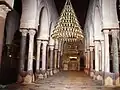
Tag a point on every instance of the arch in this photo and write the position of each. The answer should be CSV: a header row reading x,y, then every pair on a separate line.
x,y
11,49
42,4
28,7
18,3
118,10
97,24
43,29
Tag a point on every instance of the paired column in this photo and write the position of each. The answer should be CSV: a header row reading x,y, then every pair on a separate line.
x,y
88,59
96,42
44,55
3,13
55,60
107,74
51,59
59,54
38,56
56,56
23,49
106,50
91,57
115,52
103,61
115,57
30,52
91,61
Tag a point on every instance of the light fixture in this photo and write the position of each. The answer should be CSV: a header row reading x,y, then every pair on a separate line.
x,y
67,28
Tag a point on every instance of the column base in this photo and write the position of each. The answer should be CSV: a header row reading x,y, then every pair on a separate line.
x,y
116,79
51,73
48,72
21,76
29,78
108,79
98,75
111,79
37,74
87,71
55,71
92,73
43,75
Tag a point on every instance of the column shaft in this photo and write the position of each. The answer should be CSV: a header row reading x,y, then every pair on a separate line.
x,y
56,58
23,49
31,48
44,57
59,58
106,51
3,13
103,61
88,59
38,56
100,60
91,57
115,52
51,57
96,55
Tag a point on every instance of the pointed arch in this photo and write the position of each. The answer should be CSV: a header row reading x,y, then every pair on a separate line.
x,y
43,29
97,24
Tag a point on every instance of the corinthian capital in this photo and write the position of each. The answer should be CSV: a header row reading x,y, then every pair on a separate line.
x,y
24,32
4,10
32,33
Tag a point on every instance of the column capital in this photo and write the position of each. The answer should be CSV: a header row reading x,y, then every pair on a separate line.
x,y
24,32
4,10
45,42
39,41
88,49
115,33
106,31
51,47
32,32
91,48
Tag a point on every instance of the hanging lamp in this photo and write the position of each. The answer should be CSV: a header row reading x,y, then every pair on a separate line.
x,y
68,28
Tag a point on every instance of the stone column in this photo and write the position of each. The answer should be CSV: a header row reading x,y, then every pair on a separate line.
x,y
59,59
103,61
100,61
44,55
3,13
38,56
97,60
115,57
96,55
115,52
88,61
106,50
55,60
22,54
59,55
88,57
56,56
91,57
29,77
91,61
44,58
107,75
51,59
